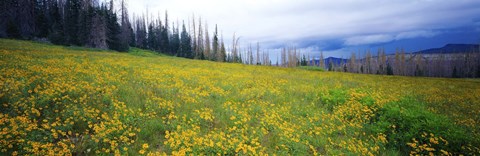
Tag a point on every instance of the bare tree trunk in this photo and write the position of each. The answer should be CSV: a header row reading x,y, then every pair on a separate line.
x,y
98,36
258,55
208,50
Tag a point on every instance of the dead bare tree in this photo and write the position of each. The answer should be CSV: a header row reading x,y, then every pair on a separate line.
x,y
235,57
257,61
207,52
98,37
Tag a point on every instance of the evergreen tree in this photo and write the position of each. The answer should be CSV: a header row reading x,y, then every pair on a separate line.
x,y
41,21
330,65
478,71
141,34
152,37
185,44
157,32
56,32
164,37
113,30
222,53
72,15
19,20
125,31
84,24
175,42
389,69
304,61
132,41
8,25
455,73
215,45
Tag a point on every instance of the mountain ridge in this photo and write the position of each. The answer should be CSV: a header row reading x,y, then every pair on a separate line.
x,y
451,48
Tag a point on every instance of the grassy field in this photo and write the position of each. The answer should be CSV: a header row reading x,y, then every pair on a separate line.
x,y
60,100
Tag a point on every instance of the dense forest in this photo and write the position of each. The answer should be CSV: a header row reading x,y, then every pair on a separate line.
x,y
94,24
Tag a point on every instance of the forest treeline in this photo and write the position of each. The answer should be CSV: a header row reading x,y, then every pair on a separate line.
x,y
67,22
95,24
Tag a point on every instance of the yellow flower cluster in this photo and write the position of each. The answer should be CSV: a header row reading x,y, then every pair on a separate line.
x,y
428,148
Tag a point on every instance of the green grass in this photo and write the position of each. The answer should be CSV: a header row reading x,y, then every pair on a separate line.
x,y
143,53
311,68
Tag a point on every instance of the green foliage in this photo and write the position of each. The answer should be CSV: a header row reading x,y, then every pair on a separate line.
x,y
333,98
143,53
311,68
409,119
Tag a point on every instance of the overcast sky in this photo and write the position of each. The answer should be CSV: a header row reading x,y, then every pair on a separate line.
x,y
336,27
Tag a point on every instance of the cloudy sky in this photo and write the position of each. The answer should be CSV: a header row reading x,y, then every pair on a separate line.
x,y
335,27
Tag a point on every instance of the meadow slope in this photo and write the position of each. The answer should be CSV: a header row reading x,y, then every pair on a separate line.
x,y
61,100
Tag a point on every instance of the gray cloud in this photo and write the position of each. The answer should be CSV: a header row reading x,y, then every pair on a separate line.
x,y
383,38
286,22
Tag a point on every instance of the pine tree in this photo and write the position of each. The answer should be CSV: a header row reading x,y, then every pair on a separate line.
x,y
454,73
175,42
304,61
24,18
72,15
157,33
140,33
185,44
41,21
113,30
164,37
126,29
389,69
84,24
215,45
56,32
330,65
151,37
223,52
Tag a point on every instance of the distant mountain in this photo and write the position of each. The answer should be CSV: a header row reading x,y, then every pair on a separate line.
x,y
452,48
334,60
447,49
